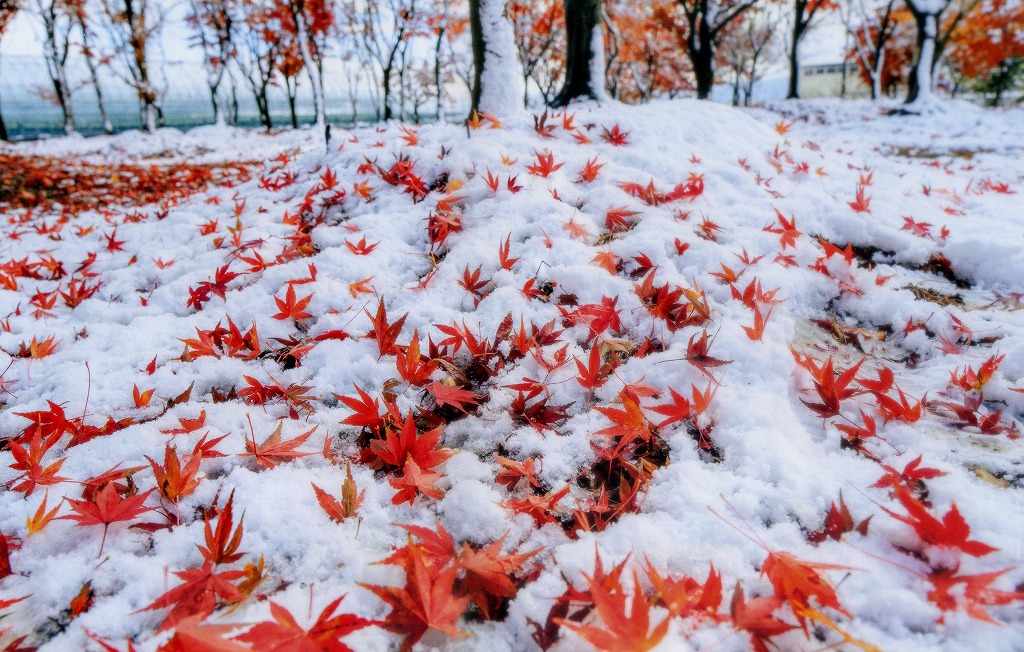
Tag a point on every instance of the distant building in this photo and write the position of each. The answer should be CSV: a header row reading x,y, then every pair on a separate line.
x,y
826,80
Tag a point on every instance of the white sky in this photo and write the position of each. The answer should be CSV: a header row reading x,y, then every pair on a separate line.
x,y
25,35
824,44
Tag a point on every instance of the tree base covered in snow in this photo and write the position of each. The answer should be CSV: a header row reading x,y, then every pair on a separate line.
x,y
671,376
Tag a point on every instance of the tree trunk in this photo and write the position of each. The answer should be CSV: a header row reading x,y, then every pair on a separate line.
x,y
799,26
922,72
302,36
386,75
702,59
218,114
3,126
55,60
497,73
584,53
292,90
439,106
90,62
700,50
876,76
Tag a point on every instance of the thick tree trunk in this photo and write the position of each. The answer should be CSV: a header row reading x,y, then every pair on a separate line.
x,y
702,59
921,80
793,92
497,73
476,32
3,126
876,76
584,54
700,49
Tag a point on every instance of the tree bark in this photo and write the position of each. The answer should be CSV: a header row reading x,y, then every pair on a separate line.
x,y
56,50
298,10
386,75
701,52
799,26
292,89
497,74
90,62
3,126
476,33
584,64
920,83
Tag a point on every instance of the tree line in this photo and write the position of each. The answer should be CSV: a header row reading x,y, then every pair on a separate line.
x,y
407,57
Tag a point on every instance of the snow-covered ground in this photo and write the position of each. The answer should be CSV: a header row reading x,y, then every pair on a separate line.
x,y
624,349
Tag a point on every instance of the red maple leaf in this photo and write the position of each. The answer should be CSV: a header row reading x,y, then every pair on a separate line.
x,y
284,634
686,597
797,581
366,409
292,308
630,422
413,481
677,410
624,628
399,445
951,532
223,541
539,508
273,451
385,333
199,594
106,507
488,575
977,592
512,471
755,617
427,601
453,396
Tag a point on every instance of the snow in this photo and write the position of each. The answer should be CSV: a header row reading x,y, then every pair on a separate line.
x,y
780,465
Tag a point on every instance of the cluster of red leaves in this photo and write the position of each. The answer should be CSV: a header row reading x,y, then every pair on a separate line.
x,y
454,377
40,183
442,581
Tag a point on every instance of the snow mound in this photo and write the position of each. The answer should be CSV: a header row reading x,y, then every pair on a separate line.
x,y
677,339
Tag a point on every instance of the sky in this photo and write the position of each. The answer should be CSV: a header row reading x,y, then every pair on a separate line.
x,y
824,44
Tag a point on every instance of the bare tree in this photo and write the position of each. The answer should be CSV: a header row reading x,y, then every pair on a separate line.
x,y
89,53
58,23
380,27
746,49
258,54
130,25
804,12
707,21
213,25
8,8
933,34
539,27
870,24
312,19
